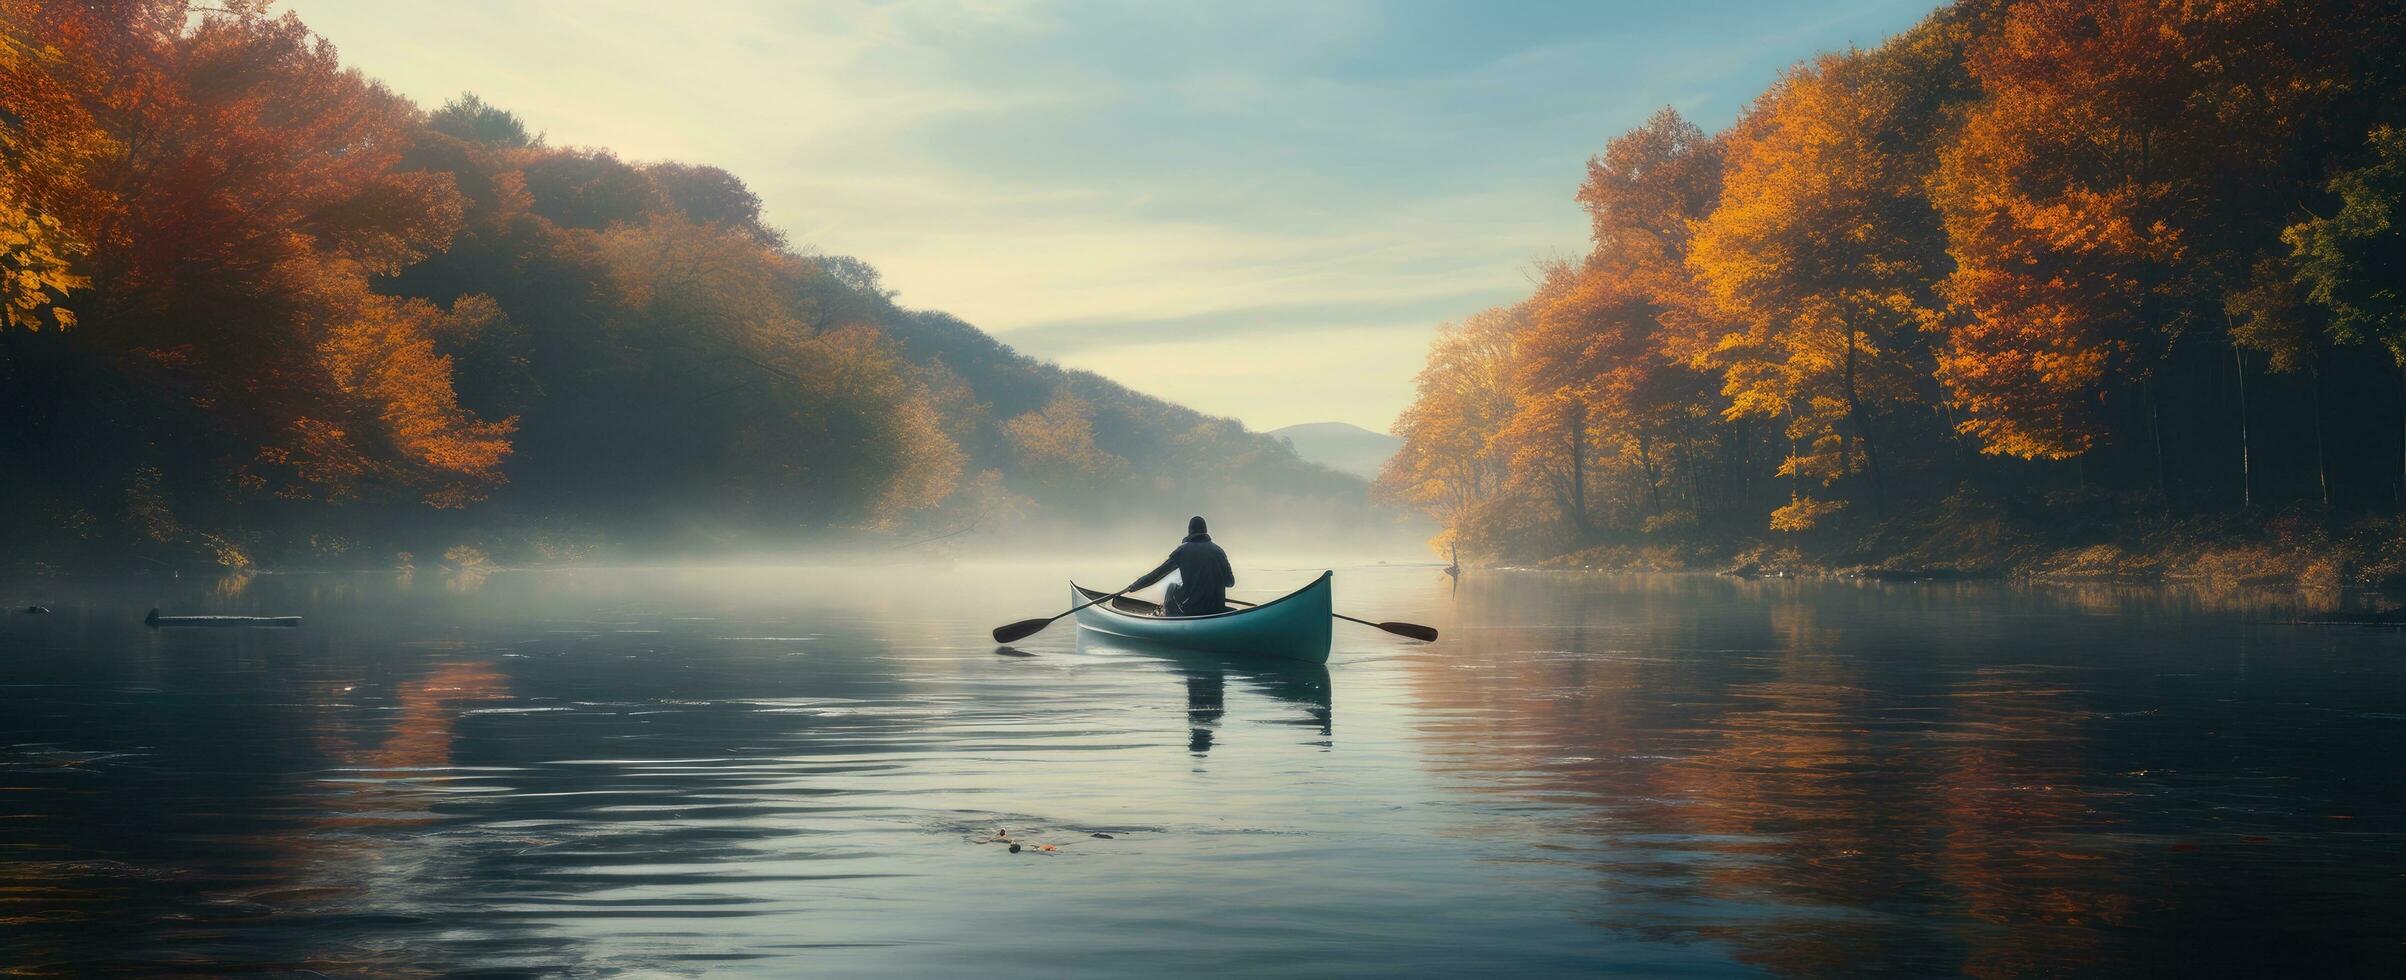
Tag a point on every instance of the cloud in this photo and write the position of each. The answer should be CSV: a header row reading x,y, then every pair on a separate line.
x,y
1249,324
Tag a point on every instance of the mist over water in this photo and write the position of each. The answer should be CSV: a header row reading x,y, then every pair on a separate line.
x,y
780,770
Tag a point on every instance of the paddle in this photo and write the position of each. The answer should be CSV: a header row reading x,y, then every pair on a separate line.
x,y
1409,630
1027,627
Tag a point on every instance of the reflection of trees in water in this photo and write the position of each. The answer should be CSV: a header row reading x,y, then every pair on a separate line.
x,y
2200,594
218,830
232,584
325,800
1760,780
2013,808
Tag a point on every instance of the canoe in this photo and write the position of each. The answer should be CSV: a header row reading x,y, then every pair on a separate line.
x,y
1294,626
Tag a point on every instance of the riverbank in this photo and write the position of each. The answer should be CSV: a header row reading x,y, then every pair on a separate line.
x,y
2284,552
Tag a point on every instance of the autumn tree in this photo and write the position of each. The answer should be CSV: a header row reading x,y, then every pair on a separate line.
x,y
46,139
476,121
1595,390
2129,166
591,189
1449,462
2348,261
1825,251
1054,447
36,274
1552,439
1644,196
230,190
713,197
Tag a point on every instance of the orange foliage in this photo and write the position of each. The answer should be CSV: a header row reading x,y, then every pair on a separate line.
x,y
46,140
1996,225
2107,194
1822,252
229,189
379,351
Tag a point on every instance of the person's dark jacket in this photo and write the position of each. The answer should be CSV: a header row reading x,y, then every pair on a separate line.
x,y
1203,573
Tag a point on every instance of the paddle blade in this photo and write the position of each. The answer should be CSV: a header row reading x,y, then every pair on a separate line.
x,y
1414,630
1020,630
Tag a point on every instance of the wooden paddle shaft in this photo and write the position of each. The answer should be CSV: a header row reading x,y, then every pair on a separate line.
x,y
1349,619
1027,627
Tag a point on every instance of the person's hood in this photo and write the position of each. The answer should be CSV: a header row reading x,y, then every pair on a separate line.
x,y
1193,538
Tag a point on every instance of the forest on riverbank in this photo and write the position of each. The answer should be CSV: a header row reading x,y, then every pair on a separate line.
x,y
260,308
2075,287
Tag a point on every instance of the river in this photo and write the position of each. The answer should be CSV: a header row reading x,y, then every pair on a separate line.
x,y
786,770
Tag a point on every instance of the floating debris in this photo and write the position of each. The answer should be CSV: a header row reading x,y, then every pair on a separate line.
x,y
1002,835
1101,836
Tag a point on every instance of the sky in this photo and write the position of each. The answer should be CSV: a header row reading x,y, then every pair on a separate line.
x,y
1259,210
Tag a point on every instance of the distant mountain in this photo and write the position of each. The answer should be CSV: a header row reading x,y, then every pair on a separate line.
x,y
1341,446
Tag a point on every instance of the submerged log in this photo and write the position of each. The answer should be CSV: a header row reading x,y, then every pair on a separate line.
x,y
154,619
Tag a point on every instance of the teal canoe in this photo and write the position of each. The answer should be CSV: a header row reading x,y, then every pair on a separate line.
x,y
1294,626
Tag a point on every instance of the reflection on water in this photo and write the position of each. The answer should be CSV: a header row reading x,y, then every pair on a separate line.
x,y
1834,779
1295,682
783,771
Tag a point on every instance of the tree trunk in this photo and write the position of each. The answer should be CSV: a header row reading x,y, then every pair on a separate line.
x,y
1687,468
1879,484
1966,458
1738,473
2322,461
1645,462
2155,434
1862,429
1577,425
1795,475
2247,463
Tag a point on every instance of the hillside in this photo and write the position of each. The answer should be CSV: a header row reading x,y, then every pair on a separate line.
x,y
1341,446
268,311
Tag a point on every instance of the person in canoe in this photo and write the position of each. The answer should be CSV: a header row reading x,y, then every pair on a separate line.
x,y
1203,575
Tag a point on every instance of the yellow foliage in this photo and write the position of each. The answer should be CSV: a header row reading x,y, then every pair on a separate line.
x,y
1450,460
35,272
1804,514
226,551
380,351
927,464
1809,252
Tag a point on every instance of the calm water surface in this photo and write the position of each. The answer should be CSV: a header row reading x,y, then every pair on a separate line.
x,y
780,771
